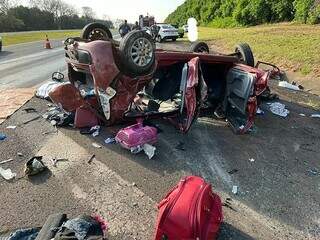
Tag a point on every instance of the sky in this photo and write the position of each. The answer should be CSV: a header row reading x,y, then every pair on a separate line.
x,y
129,9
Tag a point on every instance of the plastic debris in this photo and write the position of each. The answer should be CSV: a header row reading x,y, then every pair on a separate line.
x,y
11,127
136,149
34,166
302,114
2,136
315,115
279,109
7,174
313,171
95,131
260,111
20,154
288,86
251,159
235,190
110,140
6,161
96,145
149,150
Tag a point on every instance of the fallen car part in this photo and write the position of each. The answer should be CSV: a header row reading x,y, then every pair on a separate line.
x,y
199,47
31,120
287,85
57,76
84,118
7,174
202,219
6,161
91,158
34,166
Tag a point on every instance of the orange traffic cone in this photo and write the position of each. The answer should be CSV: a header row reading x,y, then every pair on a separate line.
x,y
47,44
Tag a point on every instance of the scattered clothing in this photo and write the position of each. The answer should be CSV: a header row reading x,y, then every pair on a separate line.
x,y
24,234
7,174
2,136
44,90
81,228
279,109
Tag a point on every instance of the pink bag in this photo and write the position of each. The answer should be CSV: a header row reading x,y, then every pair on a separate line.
x,y
190,211
136,135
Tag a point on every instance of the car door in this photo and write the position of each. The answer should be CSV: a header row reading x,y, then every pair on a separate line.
x,y
193,91
240,103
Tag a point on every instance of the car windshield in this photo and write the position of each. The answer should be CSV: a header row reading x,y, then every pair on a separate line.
x,y
167,26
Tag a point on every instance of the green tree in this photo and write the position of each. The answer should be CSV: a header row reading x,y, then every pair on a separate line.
x,y
302,9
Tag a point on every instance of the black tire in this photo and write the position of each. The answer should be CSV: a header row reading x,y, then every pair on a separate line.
x,y
199,47
174,39
96,31
159,39
245,54
128,61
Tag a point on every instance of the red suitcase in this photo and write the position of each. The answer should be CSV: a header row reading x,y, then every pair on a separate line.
x,y
190,211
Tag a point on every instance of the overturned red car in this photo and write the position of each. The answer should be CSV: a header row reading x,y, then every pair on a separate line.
x,y
132,79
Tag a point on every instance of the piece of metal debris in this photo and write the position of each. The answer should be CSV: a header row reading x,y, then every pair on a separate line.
x,y
233,171
6,161
56,160
302,114
315,115
251,159
30,110
96,145
91,158
20,154
235,190
11,127
31,120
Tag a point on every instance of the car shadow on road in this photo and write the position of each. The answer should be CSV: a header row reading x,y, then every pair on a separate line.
x,y
5,53
229,232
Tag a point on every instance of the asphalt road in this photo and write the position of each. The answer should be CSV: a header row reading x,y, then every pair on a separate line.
x,y
29,64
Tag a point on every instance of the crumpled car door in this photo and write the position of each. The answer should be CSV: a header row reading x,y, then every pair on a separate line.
x,y
193,91
240,102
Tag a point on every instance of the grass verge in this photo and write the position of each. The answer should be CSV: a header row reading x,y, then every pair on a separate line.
x,y
15,38
293,47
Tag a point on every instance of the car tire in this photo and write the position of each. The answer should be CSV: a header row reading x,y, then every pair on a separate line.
x,y
174,39
199,47
130,47
245,54
96,31
159,39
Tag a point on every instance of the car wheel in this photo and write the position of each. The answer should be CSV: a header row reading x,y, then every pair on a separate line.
x,y
96,31
199,47
159,39
244,53
137,51
174,39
